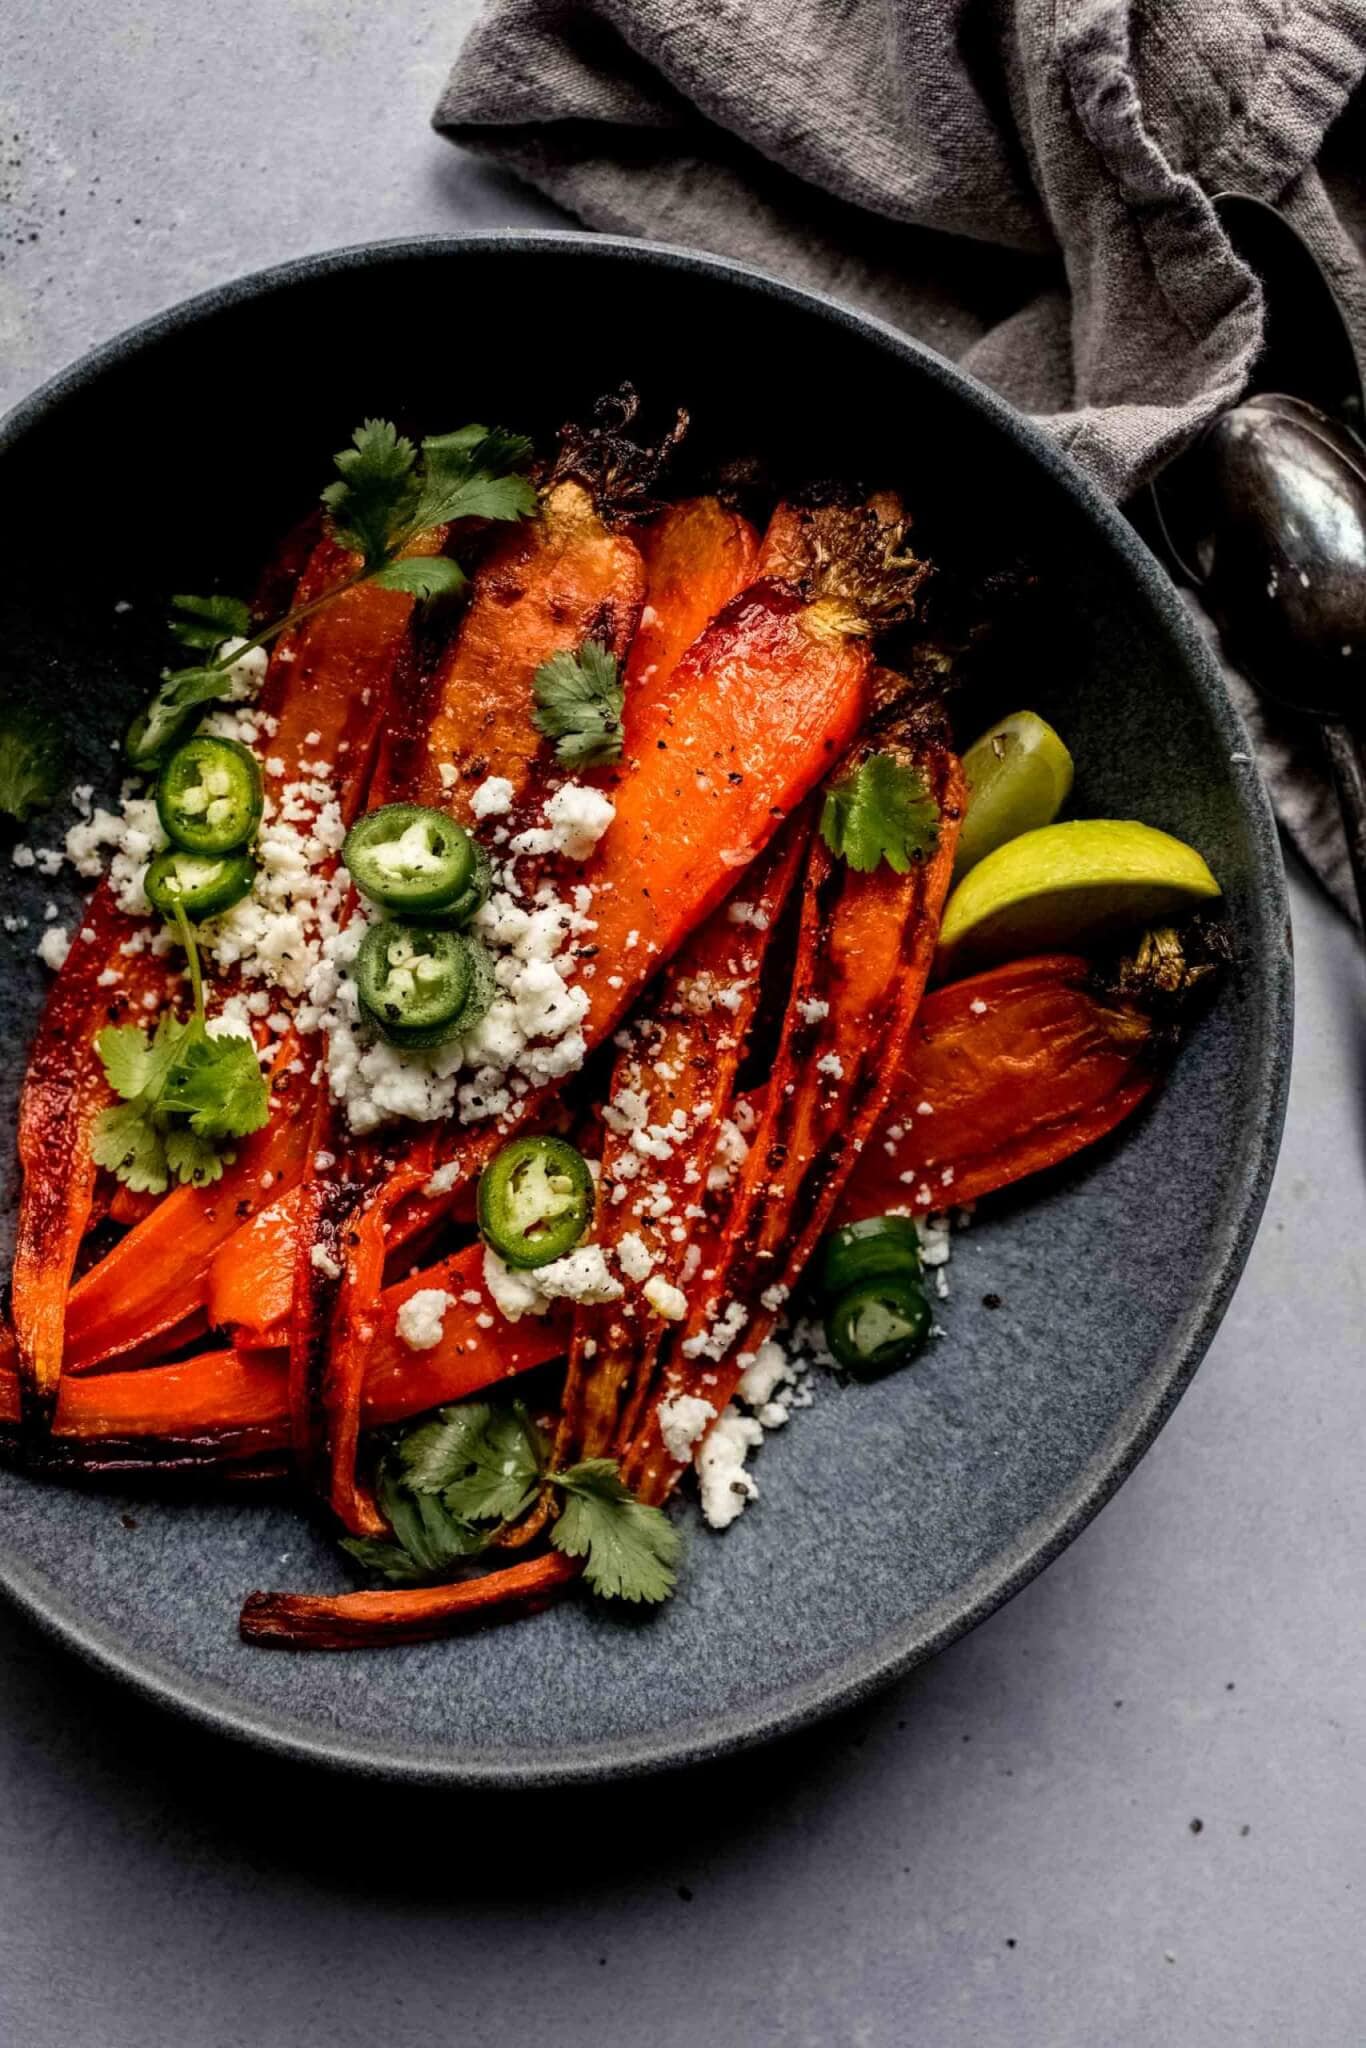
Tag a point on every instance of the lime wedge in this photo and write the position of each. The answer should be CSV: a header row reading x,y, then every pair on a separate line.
x,y
1065,886
1019,776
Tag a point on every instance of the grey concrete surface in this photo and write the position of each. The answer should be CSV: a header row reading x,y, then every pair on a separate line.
x,y
1130,1810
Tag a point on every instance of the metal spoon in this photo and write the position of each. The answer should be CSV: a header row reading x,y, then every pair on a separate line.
x,y
1266,514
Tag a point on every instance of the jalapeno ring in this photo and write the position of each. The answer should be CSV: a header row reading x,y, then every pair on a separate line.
x,y
409,858
209,795
202,884
875,1248
423,985
877,1326
535,1201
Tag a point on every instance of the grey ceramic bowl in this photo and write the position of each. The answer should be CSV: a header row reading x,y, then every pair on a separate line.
x,y
892,1517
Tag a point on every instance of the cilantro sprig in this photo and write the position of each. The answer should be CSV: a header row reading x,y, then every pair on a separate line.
x,y
881,810
579,699
445,1480
182,1094
31,761
388,490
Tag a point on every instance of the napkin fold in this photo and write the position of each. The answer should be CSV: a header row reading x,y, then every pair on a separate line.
x,y
1023,184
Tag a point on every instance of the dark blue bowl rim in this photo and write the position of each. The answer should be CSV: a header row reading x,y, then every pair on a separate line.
x,y
897,1651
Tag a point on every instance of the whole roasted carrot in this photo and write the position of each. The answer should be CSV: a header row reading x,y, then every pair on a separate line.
x,y
326,690
1006,1073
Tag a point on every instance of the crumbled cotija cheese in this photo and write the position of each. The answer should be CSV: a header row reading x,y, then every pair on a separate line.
x,y
681,1422
725,1486
53,947
581,1276
665,1299
493,797
420,1317
577,816
135,834
323,1262
634,1256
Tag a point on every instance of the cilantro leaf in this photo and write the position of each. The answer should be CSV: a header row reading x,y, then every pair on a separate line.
x,y
579,703
474,1462
474,474
484,1462
371,506
128,1143
192,1159
31,761
429,1541
881,810
206,622
422,576
183,1092
130,1060
630,1551
218,1085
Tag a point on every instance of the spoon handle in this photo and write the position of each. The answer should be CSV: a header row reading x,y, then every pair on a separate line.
x,y
1347,759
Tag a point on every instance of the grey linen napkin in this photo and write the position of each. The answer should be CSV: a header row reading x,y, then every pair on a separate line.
x,y
1023,184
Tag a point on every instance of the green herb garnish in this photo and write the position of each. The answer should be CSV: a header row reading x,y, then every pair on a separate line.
x,y
579,701
183,1093
31,761
206,621
475,1464
388,491
882,810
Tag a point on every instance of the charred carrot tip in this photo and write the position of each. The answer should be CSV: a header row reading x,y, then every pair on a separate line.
x,y
357,1621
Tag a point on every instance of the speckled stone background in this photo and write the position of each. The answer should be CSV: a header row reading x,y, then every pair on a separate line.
x,y
1130,1809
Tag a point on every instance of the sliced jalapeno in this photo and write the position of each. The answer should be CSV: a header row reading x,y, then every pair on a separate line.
x,y
209,795
479,997
201,884
410,858
535,1201
422,984
475,894
878,1325
876,1247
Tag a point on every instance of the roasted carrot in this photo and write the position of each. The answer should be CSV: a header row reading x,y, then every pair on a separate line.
x,y
64,1091
1006,1073
864,952
157,1275
761,705
676,1077
698,556
217,1393
544,588
250,1282
410,1614
329,683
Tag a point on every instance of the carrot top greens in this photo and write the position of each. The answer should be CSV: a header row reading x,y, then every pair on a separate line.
x,y
388,491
